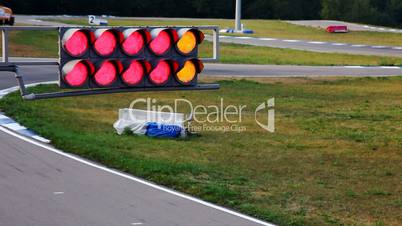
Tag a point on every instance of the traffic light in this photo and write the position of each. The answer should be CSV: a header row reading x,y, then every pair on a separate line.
x,y
130,58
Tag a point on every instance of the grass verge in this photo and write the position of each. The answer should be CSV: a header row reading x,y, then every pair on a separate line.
x,y
45,44
334,159
270,28
33,44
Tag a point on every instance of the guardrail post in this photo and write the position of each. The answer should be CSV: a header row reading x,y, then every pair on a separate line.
x,y
20,82
5,45
216,43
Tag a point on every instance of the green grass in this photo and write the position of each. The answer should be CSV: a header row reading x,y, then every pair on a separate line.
x,y
270,28
45,44
34,44
335,158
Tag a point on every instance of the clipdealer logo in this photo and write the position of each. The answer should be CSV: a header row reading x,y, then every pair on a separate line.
x,y
269,106
218,117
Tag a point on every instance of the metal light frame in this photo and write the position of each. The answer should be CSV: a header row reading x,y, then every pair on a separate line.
x,y
13,66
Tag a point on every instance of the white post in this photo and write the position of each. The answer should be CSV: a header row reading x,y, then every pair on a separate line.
x,y
238,16
5,46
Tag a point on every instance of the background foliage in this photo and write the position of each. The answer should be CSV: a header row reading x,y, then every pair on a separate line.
x,y
382,12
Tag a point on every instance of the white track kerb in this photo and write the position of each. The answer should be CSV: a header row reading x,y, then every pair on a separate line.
x,y
115,172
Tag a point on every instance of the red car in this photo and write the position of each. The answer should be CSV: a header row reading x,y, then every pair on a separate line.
x,y
337,29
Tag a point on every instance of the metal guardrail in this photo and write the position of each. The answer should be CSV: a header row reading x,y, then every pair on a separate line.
x,y
13,66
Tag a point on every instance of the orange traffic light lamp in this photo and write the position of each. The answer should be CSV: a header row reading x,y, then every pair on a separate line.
x,y
188,71
189,38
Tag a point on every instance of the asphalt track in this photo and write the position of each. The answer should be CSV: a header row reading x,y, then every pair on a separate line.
x,y
239,70
41,186
315,46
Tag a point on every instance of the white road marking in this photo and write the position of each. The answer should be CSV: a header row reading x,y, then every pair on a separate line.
x,y
35,20
14,126
58,193
288,40
222,36
316,43
354,67
41,139
397,48
339,44
358,46
268,39
135,179
379,47
139,223
390,67
240,37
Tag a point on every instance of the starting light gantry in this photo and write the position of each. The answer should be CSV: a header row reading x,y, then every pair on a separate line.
x,y
100,60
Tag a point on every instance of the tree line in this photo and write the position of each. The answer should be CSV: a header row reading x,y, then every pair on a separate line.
x,y
381,12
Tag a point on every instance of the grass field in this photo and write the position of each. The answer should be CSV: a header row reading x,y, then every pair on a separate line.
x,y
33,44
271,28
45,44
335,158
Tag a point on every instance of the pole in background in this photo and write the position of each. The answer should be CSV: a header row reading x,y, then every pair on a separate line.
x,y
238,27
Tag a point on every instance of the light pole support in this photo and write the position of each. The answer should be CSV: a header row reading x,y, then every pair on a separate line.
x,y
238,27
